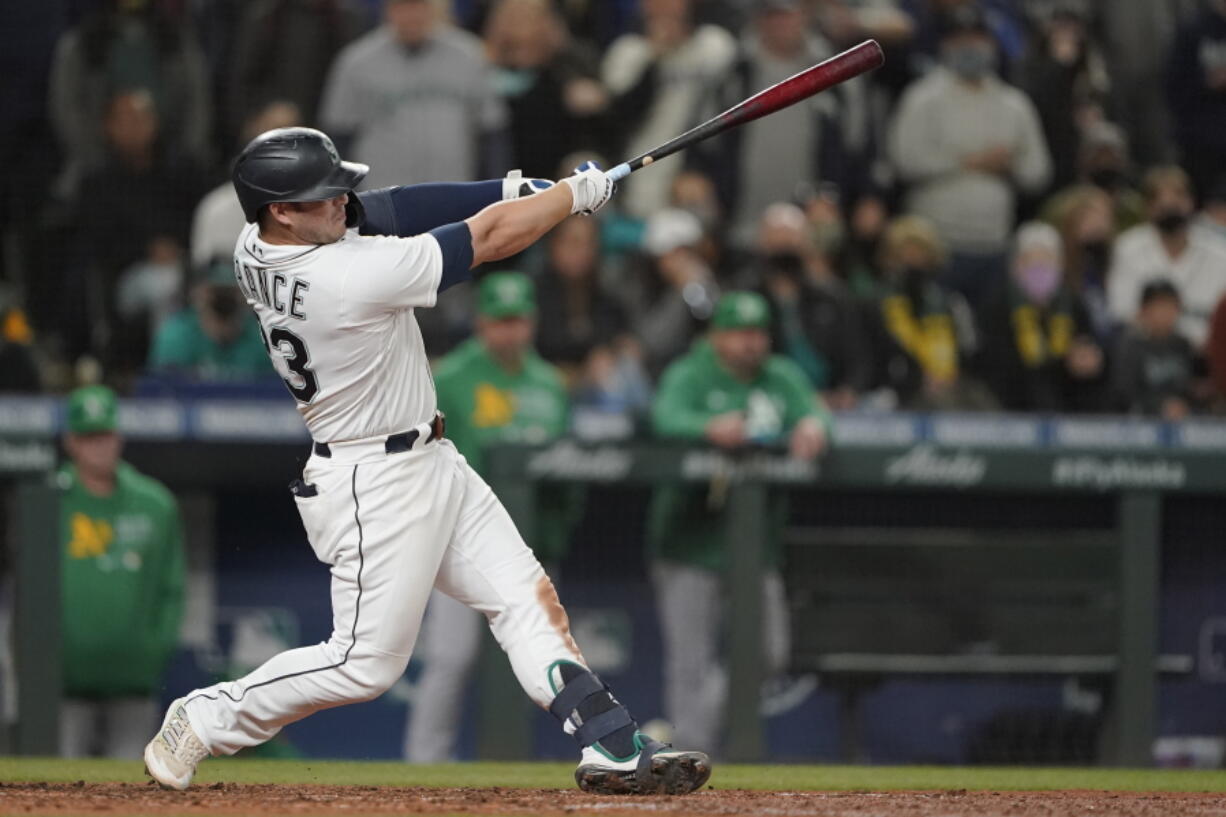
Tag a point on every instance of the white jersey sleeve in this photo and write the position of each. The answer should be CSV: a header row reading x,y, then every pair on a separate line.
x,y
387,273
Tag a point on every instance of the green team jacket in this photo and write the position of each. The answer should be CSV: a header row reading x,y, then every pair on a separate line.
x,y
687,523
486,404
122,588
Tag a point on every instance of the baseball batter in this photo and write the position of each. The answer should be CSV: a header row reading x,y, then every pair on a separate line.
x,y
386,501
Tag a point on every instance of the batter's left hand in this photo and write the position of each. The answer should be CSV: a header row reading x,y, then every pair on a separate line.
x,y
808,439
591,187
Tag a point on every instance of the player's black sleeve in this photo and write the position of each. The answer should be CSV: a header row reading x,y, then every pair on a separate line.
x,y
456,241
420,208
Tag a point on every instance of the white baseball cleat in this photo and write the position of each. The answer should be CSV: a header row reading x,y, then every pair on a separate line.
x,y
655,769
175,751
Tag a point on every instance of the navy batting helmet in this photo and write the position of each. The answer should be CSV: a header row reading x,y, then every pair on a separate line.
x,y
294,164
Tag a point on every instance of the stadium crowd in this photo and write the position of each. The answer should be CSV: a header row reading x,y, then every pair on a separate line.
x,y
1025,210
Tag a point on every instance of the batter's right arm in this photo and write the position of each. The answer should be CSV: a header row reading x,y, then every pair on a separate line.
x,y
418,208
502,230
498,231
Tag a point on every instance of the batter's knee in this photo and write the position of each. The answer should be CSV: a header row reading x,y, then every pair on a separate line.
x,y
373,674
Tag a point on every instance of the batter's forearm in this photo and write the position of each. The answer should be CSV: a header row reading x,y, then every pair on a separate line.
x,y
504,229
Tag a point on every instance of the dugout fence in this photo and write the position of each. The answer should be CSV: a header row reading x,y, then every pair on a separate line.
x,y
1042,538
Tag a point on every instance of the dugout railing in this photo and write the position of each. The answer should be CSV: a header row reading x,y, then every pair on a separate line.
x,y
1090,610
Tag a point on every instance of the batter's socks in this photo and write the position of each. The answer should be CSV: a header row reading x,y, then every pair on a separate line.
x,y
588,711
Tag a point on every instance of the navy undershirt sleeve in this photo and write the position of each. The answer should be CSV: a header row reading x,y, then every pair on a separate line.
x,y
419,208
456,242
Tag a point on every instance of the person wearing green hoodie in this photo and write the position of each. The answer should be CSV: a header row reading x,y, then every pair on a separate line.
x,y
731,392
494,388
121,589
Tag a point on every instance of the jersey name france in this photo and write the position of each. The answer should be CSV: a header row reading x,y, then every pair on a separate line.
x,y
337,320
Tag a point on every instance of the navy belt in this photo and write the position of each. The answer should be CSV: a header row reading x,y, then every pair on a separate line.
x,y
405,440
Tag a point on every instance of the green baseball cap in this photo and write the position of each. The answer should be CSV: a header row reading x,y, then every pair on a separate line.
x,y
92,409
741,310
506,295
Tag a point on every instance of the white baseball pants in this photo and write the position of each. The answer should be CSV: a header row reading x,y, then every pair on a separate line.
x,y
392,527
449,645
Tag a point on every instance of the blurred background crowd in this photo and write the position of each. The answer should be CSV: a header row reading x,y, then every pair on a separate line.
x,y
1025,210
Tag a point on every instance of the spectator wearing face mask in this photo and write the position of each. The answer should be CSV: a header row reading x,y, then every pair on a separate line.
x,y
1103,162
1038,352
966,145
859,252
216,338
814,320
1167,248
921,333
1002,17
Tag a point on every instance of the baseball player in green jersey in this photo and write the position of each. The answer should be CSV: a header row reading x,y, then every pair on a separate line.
x,y
730,391
493,389
122,585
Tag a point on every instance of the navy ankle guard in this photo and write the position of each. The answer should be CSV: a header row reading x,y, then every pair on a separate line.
x,y
569,704
585,694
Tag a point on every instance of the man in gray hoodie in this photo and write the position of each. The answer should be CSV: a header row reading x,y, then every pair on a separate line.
x,y
966,144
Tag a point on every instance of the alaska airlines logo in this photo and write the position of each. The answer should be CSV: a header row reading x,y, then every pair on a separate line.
x,y
565,460
925,465
29,455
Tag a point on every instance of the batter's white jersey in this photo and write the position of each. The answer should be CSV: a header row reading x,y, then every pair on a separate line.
x,y
338,323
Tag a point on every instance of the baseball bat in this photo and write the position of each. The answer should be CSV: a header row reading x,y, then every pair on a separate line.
x,y
851,63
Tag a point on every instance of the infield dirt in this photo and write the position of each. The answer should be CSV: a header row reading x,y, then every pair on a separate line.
x,y
119,799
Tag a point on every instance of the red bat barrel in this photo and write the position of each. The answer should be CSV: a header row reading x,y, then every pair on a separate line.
x,y
850,64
